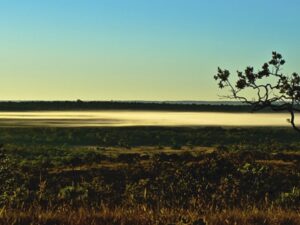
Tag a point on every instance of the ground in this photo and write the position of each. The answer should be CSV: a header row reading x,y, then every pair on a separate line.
x,y
150,175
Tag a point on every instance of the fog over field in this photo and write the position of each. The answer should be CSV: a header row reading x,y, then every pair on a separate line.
x,y
140,118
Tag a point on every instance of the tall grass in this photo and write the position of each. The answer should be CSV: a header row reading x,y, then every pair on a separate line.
x,y
140,215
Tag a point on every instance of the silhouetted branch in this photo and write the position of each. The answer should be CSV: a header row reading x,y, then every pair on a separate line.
x,y
284,95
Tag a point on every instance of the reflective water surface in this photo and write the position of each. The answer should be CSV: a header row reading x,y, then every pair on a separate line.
x,y
140,118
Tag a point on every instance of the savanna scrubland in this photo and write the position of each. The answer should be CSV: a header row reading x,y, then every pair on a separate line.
x,y
150,175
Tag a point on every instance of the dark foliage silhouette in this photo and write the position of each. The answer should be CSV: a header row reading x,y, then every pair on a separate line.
x,y
265,88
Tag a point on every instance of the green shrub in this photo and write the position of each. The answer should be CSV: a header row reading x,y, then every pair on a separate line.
x,y
290,199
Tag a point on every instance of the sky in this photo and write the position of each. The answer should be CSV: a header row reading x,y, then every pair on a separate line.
x,y
138,49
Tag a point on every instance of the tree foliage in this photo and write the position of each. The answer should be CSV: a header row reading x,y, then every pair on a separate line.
x,y
270,88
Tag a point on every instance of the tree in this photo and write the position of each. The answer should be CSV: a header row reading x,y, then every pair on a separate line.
x,y
265,88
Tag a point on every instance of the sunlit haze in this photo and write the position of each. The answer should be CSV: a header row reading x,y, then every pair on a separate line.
x,y
138,118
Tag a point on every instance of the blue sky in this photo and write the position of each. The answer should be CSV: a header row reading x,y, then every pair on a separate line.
x,y
137,49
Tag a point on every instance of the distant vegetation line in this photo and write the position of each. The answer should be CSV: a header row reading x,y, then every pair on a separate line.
x,y
267,139
116,105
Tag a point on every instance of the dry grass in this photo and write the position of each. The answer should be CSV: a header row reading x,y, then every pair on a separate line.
x,y
144,216
275,162
255,217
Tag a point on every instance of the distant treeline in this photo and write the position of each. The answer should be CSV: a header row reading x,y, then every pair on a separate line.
x,y
114,105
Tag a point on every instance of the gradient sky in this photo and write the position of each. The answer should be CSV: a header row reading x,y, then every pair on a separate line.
x,y
137,49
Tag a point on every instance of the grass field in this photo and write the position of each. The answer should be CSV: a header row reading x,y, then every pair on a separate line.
x,y
150,175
